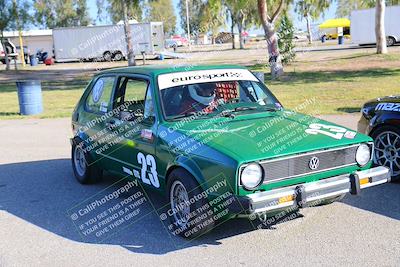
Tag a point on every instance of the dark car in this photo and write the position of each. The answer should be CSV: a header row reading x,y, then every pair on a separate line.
x,y
381,120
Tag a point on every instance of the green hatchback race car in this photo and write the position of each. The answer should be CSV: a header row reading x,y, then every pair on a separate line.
x,y
216,142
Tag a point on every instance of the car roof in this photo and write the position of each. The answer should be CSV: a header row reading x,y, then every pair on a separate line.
x,y
155,70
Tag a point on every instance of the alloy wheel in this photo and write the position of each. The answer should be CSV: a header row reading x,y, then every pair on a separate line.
x,y
387,151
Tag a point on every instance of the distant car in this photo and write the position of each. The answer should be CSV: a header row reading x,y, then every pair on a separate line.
x,y
182,41
216,143
171,43
381,120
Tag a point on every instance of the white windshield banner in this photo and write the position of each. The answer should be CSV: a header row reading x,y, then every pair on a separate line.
x,y
204,76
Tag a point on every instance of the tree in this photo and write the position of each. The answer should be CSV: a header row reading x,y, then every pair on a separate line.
x,y
310,10
163,10
194,15
13,16
381,47
82,13
243,13
344,7
231,17
212,18
268,23
114,9
285,41
55,13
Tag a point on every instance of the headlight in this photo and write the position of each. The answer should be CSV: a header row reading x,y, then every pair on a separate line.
x,y
252,176
363,155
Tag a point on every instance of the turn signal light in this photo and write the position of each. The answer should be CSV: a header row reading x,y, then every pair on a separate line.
x,y
364,181
286,199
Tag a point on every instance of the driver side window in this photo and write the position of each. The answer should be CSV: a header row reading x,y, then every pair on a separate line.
x,y
134,95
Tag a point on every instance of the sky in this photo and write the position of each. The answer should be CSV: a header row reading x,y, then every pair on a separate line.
x,y
298,23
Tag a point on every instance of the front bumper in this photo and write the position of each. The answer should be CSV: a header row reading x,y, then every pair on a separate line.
x,y
310,194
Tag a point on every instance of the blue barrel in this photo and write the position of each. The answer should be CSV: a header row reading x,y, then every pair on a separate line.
x,y
161,57
33,60
341,40
30,97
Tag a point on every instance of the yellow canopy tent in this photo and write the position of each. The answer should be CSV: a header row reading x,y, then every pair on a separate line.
x,y
335,23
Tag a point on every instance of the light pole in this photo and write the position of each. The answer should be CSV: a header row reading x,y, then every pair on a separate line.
x,y
21,44
187,21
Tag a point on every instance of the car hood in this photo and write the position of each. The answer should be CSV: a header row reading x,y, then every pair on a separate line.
x,y
267,135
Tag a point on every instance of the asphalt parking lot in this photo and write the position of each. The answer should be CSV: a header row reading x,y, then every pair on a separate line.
x,y
37,191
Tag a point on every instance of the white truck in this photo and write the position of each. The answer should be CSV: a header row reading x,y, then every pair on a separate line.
x,y
362,27
106,42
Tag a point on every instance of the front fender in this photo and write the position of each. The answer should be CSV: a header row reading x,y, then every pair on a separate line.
x,y
382,119
206,172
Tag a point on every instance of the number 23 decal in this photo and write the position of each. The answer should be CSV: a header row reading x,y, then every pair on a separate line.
x,y
148,161
330,130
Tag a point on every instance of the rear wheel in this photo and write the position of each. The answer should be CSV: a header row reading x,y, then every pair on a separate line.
x,y
387,149
118,56
390,41
85,170
190,213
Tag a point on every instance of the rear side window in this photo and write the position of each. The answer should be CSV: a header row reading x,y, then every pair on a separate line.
x,y
99,99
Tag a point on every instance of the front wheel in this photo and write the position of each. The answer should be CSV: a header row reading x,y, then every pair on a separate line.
x,y
107,56
387,149
190,213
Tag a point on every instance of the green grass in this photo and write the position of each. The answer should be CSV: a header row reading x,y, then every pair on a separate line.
x,y
335,92
59,99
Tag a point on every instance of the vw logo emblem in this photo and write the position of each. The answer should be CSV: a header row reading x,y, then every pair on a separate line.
x,y
313,164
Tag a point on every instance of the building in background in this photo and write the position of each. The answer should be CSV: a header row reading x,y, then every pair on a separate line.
x,y
33,40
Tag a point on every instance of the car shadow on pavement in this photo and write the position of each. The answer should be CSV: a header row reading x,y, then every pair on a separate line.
x,y
46,194
382,199
43,193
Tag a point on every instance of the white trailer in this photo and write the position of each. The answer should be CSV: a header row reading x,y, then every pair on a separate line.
x,y
362,27
107,42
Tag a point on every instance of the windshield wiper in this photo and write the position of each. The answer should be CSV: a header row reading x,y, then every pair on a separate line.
x,y
184,115
189,114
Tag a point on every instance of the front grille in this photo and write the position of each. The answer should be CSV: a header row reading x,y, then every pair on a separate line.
x,y
298,165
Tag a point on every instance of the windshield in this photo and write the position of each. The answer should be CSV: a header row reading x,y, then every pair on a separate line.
x,y
216,97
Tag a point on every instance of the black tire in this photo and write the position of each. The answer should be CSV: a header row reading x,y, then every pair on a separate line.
x,y
390,41
198,209
91,173
385,157
107,56
117,56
